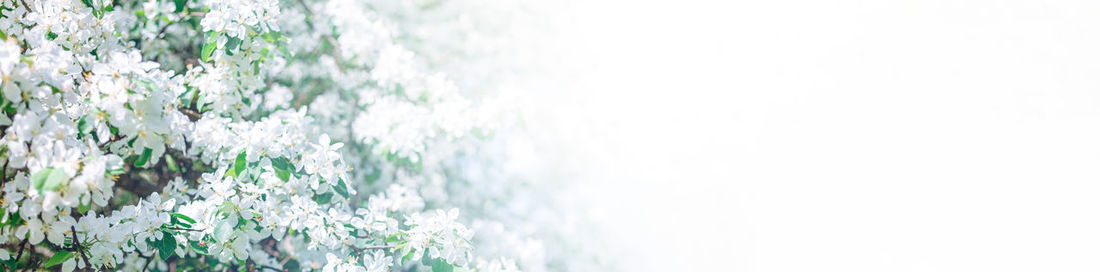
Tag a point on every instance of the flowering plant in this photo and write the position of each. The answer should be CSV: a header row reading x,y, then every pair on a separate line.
x,y
249,135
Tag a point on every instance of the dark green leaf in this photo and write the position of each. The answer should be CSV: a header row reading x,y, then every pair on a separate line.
x,y
324,198
143,159
180,5
183,217
231,45
167,245
292,265
342,188
84,126
282,168
198,248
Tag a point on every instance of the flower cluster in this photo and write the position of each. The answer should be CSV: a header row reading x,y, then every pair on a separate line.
x,y
212,135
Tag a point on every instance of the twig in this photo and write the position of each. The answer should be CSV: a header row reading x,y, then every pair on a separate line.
x,y
179,228
148,260
371,247
270,267
76,244
21,247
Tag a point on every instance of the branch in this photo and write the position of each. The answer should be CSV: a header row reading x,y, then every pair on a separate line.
x,y
21,247
371,247
76,244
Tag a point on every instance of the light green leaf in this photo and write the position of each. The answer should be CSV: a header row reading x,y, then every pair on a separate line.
x,y
39,179
115,172
441,265
57,176
223,230
83,208
394,238
168,159
209,45
58,258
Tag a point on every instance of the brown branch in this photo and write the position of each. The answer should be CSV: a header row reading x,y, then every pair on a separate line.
x,y
191,114
21,247
76,244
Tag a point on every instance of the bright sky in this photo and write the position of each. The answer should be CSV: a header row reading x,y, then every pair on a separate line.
x,y
840,135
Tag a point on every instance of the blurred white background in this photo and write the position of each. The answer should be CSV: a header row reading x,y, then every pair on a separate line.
x,y
835,135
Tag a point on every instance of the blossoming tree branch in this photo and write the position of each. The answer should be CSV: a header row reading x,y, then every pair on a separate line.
x,y
242,135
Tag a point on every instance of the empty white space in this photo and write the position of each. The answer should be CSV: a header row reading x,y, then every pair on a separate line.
x,y
836,135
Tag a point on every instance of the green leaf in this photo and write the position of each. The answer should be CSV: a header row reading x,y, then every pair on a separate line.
x,y
282,168
180,5
168,159
83,208
283,174
183,217
342,188
39,179
84,126
324,198
54,180
292,265
143,158
272,36
199,248
115,172
58,258
167,245
209,45
223,230
231,45
394,238
146,84
441,265
48,179
240,163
